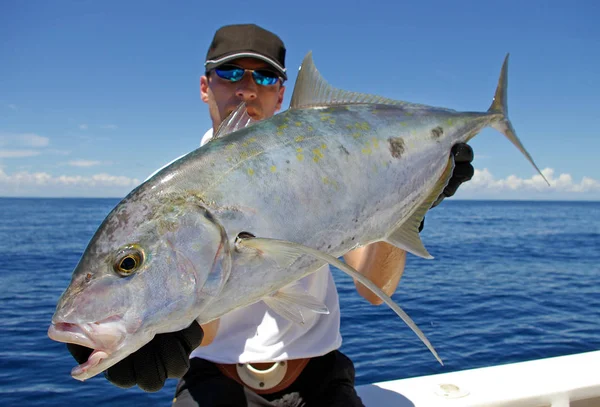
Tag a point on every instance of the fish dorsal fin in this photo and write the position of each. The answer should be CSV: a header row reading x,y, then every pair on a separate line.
x,y
237,120
406,236
311,90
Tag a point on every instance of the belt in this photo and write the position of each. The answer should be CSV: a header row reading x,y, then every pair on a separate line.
x,y
265,378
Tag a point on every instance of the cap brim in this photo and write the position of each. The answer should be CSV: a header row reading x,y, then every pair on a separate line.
x,y
214,63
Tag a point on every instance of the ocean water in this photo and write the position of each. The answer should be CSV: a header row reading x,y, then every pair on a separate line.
x,y
510,282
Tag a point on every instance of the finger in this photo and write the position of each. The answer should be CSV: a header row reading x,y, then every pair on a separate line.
x,y
147,365
173,355
122,374
191,336
452,186
462,152
463,172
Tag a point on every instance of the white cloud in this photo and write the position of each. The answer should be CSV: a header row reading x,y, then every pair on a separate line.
x,y
109,126
23,139
484,181
12,106
25,183
16,141
83,126
84,163
18,153
58,152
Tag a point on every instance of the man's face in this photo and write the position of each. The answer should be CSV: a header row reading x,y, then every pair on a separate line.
x,y
224,96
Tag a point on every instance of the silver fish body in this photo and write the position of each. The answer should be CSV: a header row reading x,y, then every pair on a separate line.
x,y
334,172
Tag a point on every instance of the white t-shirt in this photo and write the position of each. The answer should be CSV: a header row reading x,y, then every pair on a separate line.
x,y
257,334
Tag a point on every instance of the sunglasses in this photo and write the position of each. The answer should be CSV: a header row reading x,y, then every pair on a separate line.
x,y
234,73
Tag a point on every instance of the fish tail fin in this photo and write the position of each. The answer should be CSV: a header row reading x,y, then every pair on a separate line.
x,y
504,126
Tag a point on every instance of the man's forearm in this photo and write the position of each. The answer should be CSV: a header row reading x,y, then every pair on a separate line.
x,y
381,263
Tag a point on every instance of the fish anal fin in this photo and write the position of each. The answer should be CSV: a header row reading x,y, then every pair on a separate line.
x,y
406,235
273,245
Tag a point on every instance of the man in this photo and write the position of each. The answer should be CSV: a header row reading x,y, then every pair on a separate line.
x,y
253,356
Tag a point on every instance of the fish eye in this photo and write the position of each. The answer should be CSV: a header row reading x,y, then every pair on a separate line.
x,y
129,260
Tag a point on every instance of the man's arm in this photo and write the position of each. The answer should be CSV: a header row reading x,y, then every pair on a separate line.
x,y
381,263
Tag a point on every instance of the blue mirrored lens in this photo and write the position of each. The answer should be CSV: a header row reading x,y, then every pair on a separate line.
x,y
230,74
265,78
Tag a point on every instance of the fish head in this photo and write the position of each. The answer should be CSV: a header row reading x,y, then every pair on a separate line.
x,y
150,268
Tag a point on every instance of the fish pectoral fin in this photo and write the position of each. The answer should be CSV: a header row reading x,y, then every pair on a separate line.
x,y
237,120
273,245
291,300
406,235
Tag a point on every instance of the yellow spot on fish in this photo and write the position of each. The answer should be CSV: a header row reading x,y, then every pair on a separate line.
x,y
299,149
449,122
273,168
403,124
362,126
252,140
409,113
367,150
317,155
310,128
300,157
298,124
327,181
279,133
331,121
375,142
282,127
356,134
250,171
323,146
349,126
299,138
229,146
243,155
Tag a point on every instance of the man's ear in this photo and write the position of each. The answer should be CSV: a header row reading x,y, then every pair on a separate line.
x,y
204,88
280,98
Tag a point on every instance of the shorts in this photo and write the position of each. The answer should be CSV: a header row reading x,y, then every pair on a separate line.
x,y
326,380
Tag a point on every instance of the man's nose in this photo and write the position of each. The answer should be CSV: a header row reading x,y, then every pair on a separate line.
x,y
247,88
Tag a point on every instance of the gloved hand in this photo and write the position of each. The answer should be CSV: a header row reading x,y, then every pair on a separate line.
x,y
165,356
463,172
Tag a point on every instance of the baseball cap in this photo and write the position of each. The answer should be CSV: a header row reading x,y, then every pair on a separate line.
x,y
246,41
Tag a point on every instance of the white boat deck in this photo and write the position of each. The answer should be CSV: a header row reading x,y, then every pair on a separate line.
x,y
563,381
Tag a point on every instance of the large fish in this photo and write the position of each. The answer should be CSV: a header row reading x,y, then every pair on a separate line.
x,y
260,206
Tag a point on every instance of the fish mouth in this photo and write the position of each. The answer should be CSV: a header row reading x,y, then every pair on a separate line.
x,y
102,337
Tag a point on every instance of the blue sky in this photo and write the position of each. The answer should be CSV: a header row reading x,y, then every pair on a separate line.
x,y
95,96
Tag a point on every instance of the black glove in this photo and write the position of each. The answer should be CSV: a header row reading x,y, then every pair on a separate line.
x,y
463,172
165,356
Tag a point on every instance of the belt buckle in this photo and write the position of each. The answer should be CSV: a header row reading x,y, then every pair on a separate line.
x,y
261,379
